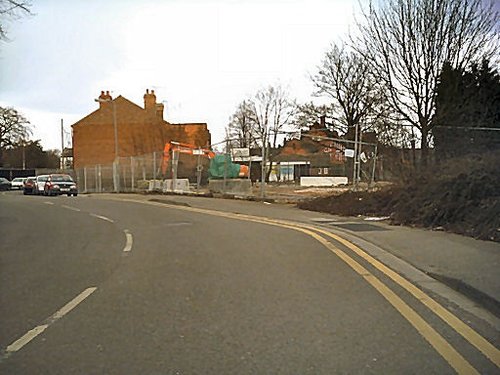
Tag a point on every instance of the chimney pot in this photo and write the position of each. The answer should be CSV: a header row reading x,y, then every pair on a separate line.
x,y
150,101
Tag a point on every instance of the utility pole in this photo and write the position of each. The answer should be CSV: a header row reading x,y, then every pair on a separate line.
x,y
263,167
224,183
62,145
24,154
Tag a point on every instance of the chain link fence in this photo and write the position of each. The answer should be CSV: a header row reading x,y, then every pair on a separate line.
x,y
126,174
135,173
154,172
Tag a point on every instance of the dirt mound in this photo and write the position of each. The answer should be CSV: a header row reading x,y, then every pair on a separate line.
x,y
461,196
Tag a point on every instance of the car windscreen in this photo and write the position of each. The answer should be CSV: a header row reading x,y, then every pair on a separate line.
x,y
62,179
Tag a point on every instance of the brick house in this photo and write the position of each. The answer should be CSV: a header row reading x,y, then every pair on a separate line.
x,y
139,131
311,155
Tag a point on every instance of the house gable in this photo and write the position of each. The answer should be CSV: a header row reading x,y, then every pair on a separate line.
x,y
136,131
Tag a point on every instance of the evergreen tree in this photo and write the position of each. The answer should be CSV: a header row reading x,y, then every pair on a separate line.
x,y
467,110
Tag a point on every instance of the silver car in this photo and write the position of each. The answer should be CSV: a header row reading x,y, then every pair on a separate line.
x,y
40,184
17,183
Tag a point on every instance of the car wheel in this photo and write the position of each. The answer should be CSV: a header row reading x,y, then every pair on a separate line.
x,y
75,194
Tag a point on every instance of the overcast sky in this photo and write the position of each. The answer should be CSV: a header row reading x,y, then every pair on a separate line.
x,y
201,57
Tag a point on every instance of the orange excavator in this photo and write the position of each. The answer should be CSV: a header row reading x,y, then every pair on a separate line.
x,y
182,148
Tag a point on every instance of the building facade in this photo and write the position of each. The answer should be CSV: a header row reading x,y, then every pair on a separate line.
x,y
139,131
318,152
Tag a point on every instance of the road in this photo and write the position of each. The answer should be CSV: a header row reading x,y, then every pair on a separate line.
x,y
115,286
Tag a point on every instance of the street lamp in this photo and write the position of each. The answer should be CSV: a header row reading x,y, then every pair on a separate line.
x,y
116,162
23,143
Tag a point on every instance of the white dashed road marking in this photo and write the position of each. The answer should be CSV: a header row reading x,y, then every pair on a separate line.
x,y
30,335
71,208
102,218
130,241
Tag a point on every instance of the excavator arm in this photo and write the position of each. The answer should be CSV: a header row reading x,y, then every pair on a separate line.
x,y
182,148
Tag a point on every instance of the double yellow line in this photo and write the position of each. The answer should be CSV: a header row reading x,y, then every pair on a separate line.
x,y
450,354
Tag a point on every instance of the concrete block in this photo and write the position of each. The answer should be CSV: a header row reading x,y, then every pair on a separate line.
x,y
233,186
155,185
323,181
181,185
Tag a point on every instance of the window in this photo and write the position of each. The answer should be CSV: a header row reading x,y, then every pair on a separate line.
x,y
325,170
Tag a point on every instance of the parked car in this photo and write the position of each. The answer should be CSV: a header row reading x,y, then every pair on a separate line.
x,y
17,183
29,185
40,184
4,184
58,184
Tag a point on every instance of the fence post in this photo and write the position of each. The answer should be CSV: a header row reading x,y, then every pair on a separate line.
x,y
96,179
85,179
132,174
116,180
154,170
374,164
198,172
99,185
124,172
263,167
175,163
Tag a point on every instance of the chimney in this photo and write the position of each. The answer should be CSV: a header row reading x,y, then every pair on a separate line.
x,y
104,99
159,110
150,101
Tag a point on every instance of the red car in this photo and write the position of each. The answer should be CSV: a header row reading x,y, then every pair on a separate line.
x,y
29,186
58,184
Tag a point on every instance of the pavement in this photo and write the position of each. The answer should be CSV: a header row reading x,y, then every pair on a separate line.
x,y
463,270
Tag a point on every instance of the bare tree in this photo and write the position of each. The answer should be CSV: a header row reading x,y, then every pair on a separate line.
x,y
9,10
272,112
346,78
407,43
14,128
309,113
241,129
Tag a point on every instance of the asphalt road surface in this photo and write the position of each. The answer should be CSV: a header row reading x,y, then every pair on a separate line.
x,y
105,286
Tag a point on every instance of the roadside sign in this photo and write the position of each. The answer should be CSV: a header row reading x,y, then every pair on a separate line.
x,y
243,152
349,153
